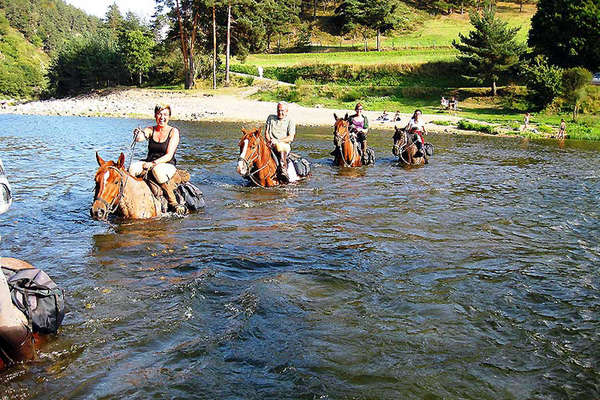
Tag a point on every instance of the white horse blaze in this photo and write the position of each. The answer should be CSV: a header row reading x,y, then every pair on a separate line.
x,y
105,178
241,167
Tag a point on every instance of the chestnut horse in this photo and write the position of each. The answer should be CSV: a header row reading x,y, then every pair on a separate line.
x,y
123,194
257,162
406,149
346,150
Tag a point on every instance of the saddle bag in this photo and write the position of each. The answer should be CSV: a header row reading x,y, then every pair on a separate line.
x,y
38,297
428,149
369,157
301,165
189,195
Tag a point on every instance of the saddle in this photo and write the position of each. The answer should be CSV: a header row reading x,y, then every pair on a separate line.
x,y
180,177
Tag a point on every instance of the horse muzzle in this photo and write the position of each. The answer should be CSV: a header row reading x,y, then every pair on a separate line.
x,y
242,167
98,211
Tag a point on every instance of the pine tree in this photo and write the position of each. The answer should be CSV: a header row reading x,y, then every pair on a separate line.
x,y
490,50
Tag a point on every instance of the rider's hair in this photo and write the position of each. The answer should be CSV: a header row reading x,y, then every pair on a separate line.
x,y
358,105
415,113
159,107
284,104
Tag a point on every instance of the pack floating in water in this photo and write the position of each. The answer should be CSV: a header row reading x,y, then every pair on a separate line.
x,y
5,192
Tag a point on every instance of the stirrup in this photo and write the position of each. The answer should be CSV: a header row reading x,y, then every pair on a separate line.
x,y
178,209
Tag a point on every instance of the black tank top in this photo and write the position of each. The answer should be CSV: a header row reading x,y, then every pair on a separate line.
x,y
159,149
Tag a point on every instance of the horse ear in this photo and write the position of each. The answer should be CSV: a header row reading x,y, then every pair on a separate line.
x,y
121,160
244,131
99,159
346,117
335,116
258,131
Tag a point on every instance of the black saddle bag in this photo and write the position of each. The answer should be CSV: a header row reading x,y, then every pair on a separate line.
x,y
38,297
190,196
428,149
301,165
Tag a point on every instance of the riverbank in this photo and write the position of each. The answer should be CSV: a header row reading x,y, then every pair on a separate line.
x,y
232,106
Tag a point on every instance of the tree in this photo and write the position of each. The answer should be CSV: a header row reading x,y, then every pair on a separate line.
x,y
568,32
366,16
490,50
135,49
543,81
574,82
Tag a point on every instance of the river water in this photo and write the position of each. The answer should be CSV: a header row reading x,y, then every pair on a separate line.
x,y
473,277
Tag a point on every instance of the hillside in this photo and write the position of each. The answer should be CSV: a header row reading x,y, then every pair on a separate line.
x,y
30,32
23,64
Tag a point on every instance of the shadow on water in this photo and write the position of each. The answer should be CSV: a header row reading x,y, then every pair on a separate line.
x,y
471,277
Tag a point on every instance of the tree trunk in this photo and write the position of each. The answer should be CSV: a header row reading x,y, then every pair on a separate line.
x,y
214,49
314,9
228,50
366,42
494,89
140,78
378,40
521,6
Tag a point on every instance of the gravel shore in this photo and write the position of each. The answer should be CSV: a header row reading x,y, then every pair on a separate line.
x,y
192,106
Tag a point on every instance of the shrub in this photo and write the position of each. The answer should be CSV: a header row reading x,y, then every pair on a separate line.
x,y
543,81
474,126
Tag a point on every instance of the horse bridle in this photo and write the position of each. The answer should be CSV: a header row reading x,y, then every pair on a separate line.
x,y
250,162
338,139
112,206
404,145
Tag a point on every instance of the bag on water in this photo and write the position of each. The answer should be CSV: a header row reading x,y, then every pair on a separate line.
x,y
428,149
38,297
301,165
190,195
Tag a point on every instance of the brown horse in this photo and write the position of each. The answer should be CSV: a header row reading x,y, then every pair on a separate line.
x,y
346,150
257,162
123,194
406,149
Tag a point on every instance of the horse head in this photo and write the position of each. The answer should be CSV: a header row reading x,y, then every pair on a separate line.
x,y
341,129
400,140
250,150
109,187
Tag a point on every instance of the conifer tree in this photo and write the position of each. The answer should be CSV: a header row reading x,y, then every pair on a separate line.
x,y
490,50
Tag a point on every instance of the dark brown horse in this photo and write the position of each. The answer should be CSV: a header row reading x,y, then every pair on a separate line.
x,y
257,163
120,193
346,150
405,148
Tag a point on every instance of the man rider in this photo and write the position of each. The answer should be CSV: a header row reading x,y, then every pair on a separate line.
x,y
280,131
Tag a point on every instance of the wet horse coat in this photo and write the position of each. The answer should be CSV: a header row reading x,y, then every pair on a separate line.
x,y
119,192
257,162
346,152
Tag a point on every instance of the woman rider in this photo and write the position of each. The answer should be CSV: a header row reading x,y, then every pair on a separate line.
x,y
360,125
162,145
416,126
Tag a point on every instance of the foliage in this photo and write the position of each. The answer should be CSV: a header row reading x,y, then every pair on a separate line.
x,y
568,32
474,126
135,50
365,16
85,63
22,66
439,74
543,81
490,50
47,23
574,82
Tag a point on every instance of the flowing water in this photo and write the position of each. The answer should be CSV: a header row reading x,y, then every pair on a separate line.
x,y
473,277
